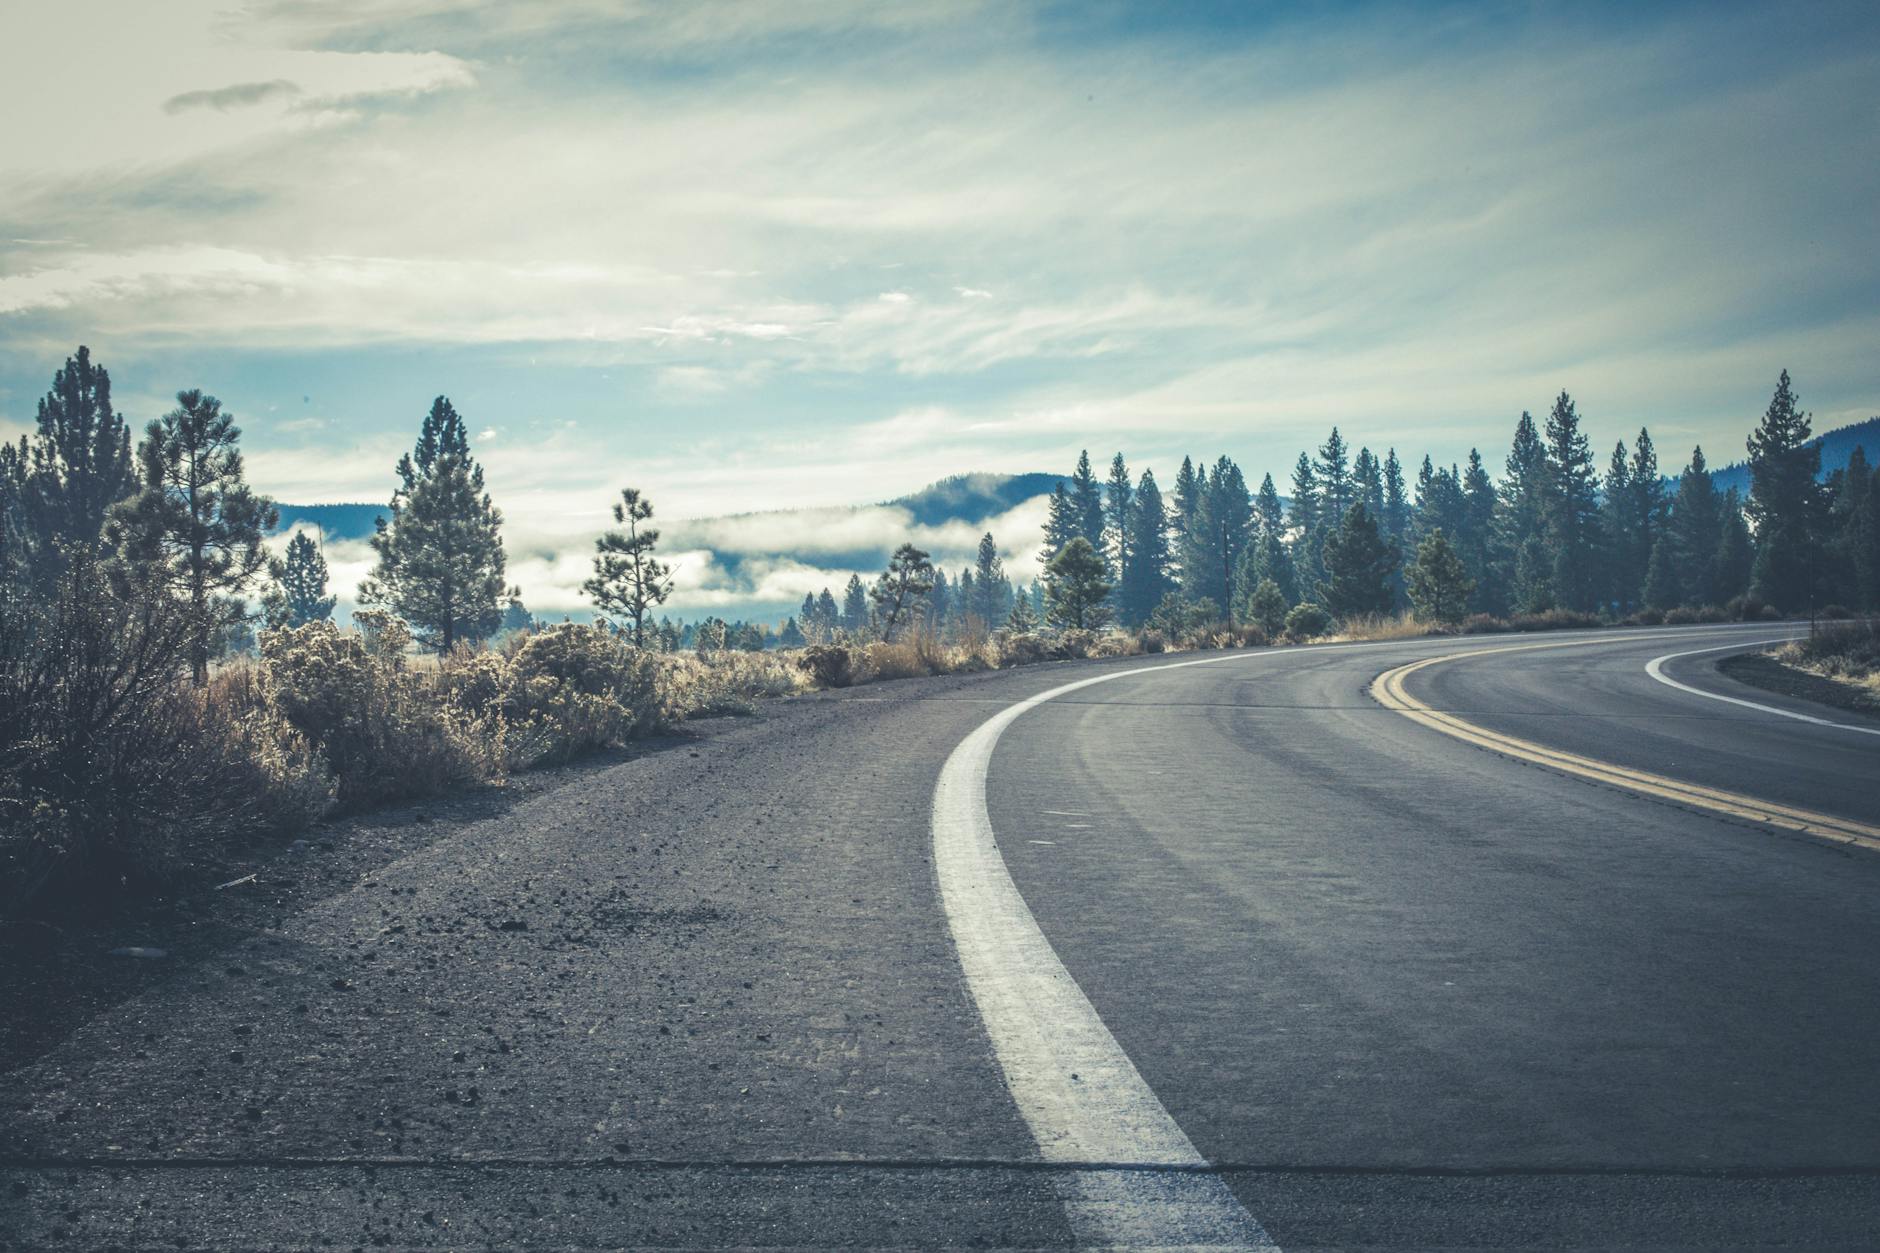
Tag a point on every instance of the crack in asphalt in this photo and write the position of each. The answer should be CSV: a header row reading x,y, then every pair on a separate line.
x,y
1489,1171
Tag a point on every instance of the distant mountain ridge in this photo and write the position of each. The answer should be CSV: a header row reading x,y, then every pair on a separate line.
x,y
1836,447
351,521
960,498
969,497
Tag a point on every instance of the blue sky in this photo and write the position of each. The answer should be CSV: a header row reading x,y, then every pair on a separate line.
x,y
754,255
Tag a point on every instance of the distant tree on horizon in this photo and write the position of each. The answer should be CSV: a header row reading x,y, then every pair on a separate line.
x,y
854,606
990,589
298,594
1023,619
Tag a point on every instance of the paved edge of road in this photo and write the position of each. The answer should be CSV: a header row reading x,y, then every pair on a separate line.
x,y
1076,1088
1655,668
1141,1182
1389,691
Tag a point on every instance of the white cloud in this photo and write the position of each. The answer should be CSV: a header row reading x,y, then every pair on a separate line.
x,y
1222,243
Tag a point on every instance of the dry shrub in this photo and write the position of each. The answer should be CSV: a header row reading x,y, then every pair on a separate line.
x,y
1021,649
1377,627
1646,617
1307,620
1484,624
573,689
833,665
1685,614
1554,620
727,682
383,730
896,661
113,770
1114,644
1849,651
282,775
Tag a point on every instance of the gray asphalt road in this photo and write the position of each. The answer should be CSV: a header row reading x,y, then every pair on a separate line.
x,y
1403,992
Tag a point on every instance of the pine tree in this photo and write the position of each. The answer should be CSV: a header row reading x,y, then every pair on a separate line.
x,y
1785,503
1476,537
1334,478
1220,531
1358,566
1572,508
1664,575
195,528
1060,523
1266,607
76,468
828,613
1076,587
1528,573
1023,619
1730,573
1695,529
13,554
1649,507
854,606
1268,556
298,595
1394,521
628,580
516,615
1616,532
1187,497
1367,484
991,589
1087,502
1146,578
1302,518
901,587
936,608
1866,546
1438,584
1847,490
440,558
1119,508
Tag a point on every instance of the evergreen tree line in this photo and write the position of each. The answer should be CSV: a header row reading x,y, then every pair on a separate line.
x,y
173,518
1353,539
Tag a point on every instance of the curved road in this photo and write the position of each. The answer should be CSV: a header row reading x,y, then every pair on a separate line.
x,y
1394,989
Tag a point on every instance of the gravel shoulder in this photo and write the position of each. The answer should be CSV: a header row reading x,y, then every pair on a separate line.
x,y
1766,672
720,954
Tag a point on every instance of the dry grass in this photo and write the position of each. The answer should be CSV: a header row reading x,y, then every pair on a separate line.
x,y
1375,627
1846,651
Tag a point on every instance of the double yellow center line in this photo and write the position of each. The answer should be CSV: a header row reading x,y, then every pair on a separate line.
x,y
1388,690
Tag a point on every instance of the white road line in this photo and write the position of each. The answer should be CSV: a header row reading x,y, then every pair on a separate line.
x,y
1655,668
1081,1096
